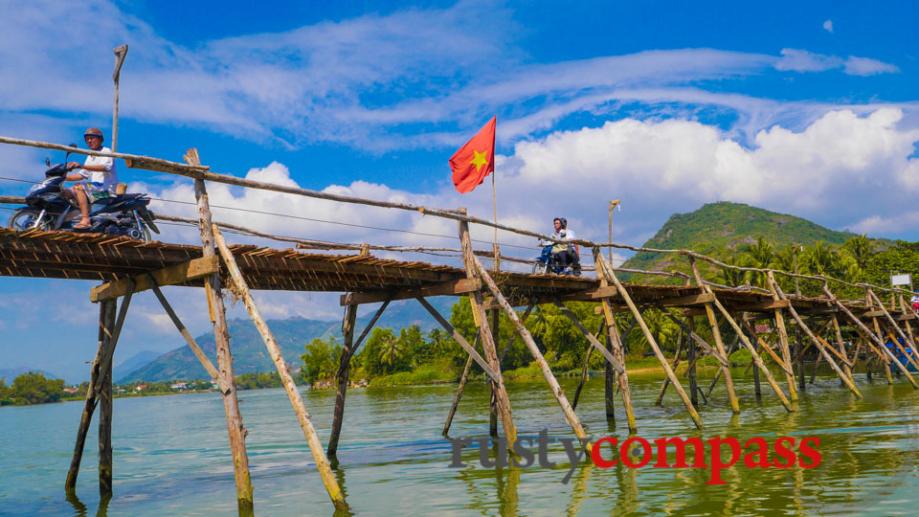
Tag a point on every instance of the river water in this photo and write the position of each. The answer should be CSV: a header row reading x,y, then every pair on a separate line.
x,y
171,455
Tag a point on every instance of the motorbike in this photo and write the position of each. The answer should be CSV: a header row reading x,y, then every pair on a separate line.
x,y
548,262
47,209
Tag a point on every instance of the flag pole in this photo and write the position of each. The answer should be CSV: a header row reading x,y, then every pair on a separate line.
x,y
494,207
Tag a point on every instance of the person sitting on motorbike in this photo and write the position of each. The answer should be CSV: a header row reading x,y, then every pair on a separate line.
x,y
560,252
96,179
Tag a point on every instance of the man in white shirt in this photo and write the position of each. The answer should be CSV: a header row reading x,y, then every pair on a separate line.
x,y
563,253
97,177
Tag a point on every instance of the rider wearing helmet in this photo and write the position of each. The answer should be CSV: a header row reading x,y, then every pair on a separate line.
x,y
563,253
96,179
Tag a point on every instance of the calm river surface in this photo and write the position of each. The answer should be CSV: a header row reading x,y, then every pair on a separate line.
x,y
171,456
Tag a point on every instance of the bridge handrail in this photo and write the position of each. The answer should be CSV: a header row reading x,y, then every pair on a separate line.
x,y
204,173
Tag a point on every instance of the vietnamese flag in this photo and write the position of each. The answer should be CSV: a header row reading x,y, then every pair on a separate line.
x,y
475,160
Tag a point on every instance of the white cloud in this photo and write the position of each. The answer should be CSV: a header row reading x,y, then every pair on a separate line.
x,y
828,26
867,66
344,81
796,60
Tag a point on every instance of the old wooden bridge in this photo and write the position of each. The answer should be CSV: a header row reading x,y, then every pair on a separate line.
x,y
125,267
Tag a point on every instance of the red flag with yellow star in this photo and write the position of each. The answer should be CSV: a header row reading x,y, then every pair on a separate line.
x,y
475,160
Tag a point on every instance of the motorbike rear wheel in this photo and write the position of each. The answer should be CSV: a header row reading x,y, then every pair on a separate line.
x,y
24,219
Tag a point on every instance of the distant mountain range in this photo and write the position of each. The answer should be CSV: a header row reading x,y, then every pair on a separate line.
x,y
249,352
719,227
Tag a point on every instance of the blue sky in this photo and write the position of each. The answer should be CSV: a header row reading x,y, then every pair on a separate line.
x,y
808,108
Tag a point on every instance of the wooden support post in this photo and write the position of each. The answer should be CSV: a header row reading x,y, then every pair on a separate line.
x,y
296,400
488,344
716,334
840,344
616,348
105,398
783,341
609,381
459,391
106,315
343,377
893,323
905,310
212,289
496,336
585,371
880,336
190,340
676,363
690,408
756,357
691,370
569,413
821,346
757,388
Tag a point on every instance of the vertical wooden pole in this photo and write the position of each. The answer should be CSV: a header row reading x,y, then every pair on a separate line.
x,y
488,344
121,52
676,361
287,380
493,398
840,344
609,381
615,346
691,368
716,334
896,329
880,335
757,388
343,376
822,346
217,312
89,405
105,406
622,292
782,331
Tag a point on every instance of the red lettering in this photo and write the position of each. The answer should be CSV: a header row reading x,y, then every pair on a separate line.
x,y
597,456
680,448
760,449
717,464
785,452
627,447
807,452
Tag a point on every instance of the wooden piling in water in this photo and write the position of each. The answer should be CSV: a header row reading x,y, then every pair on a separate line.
x,y
287,381
690,408
716,335
343,375
217,312
502,401
616,347
782,332
872,337
568,412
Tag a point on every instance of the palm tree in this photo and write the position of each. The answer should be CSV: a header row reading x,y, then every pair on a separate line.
x,y
860,248
760,255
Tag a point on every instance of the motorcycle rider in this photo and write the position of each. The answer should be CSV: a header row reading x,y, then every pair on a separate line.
x,y
561,252
96,179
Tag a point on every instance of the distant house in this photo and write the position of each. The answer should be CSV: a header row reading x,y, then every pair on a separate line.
x,y
140,387
179,386
71,390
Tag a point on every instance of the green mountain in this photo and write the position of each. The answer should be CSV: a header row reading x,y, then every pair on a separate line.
x,y
250,354
723,227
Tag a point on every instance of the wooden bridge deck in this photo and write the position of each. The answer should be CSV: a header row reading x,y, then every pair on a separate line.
x,y
68,255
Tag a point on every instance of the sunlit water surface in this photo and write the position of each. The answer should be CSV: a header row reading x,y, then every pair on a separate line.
x,y
171,455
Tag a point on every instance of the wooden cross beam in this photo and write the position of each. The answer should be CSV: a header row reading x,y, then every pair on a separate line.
x,y
172,275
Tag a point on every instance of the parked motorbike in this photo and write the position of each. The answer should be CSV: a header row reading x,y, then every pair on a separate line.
x,y
548,262
47,209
